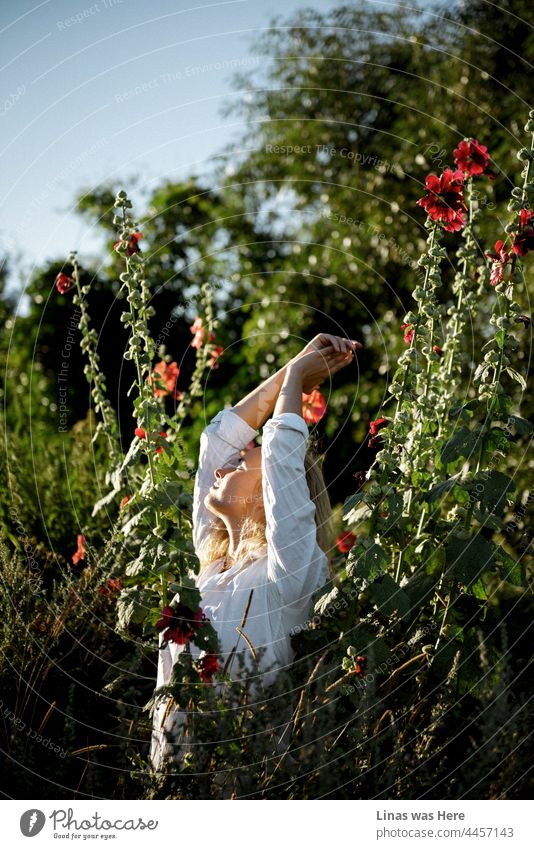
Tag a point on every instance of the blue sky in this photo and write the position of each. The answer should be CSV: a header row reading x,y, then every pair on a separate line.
x,y
100,89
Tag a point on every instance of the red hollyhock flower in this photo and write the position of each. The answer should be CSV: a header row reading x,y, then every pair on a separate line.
x,y
525,319
132,243
161,435
345,541
375,442
313,407
208,666
180,624
444,200
523,241
500,259
80,553
164,379
64,283
437,350
114,585
473,158
408,332
215,354
377,425
360,664
140,432
124,502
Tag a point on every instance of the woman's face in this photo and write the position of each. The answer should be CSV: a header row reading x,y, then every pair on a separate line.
x,y
237,492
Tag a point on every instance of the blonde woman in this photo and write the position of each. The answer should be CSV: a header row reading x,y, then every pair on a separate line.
x,y
261,522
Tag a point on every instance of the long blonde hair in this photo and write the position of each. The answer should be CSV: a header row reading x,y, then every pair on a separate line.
x,y
252,537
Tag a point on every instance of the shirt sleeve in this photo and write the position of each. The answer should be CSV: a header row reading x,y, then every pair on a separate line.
x,y
295,562
221,442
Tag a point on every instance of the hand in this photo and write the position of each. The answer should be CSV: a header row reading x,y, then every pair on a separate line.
x,y
323,340
315,365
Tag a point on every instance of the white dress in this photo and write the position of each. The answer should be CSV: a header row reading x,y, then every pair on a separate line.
x,y
287,571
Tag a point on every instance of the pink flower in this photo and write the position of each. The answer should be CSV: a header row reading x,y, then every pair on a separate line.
x,y
408,333
313,407
199,333
80,553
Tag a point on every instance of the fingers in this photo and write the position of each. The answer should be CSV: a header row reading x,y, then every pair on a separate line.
x,y
339,343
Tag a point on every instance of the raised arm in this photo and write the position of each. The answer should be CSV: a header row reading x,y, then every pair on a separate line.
x,y
256,407
296,565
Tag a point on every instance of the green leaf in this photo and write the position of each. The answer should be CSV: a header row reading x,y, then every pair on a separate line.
x,y
369,565
468,557
418,588
389,597
491,489
106,499
522,426
350,503
461,444
496,440
510,570
499,338
516,376
440,489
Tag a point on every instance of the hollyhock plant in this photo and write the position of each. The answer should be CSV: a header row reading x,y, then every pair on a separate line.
x,y
208,665
79,554
472,158
444,200
179,623
313,406
523,240
500,259
64,283
345,541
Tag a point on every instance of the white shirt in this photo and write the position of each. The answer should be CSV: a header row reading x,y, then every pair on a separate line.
x,y
286,572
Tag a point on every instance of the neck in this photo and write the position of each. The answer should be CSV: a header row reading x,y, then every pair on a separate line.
x,y
233,526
